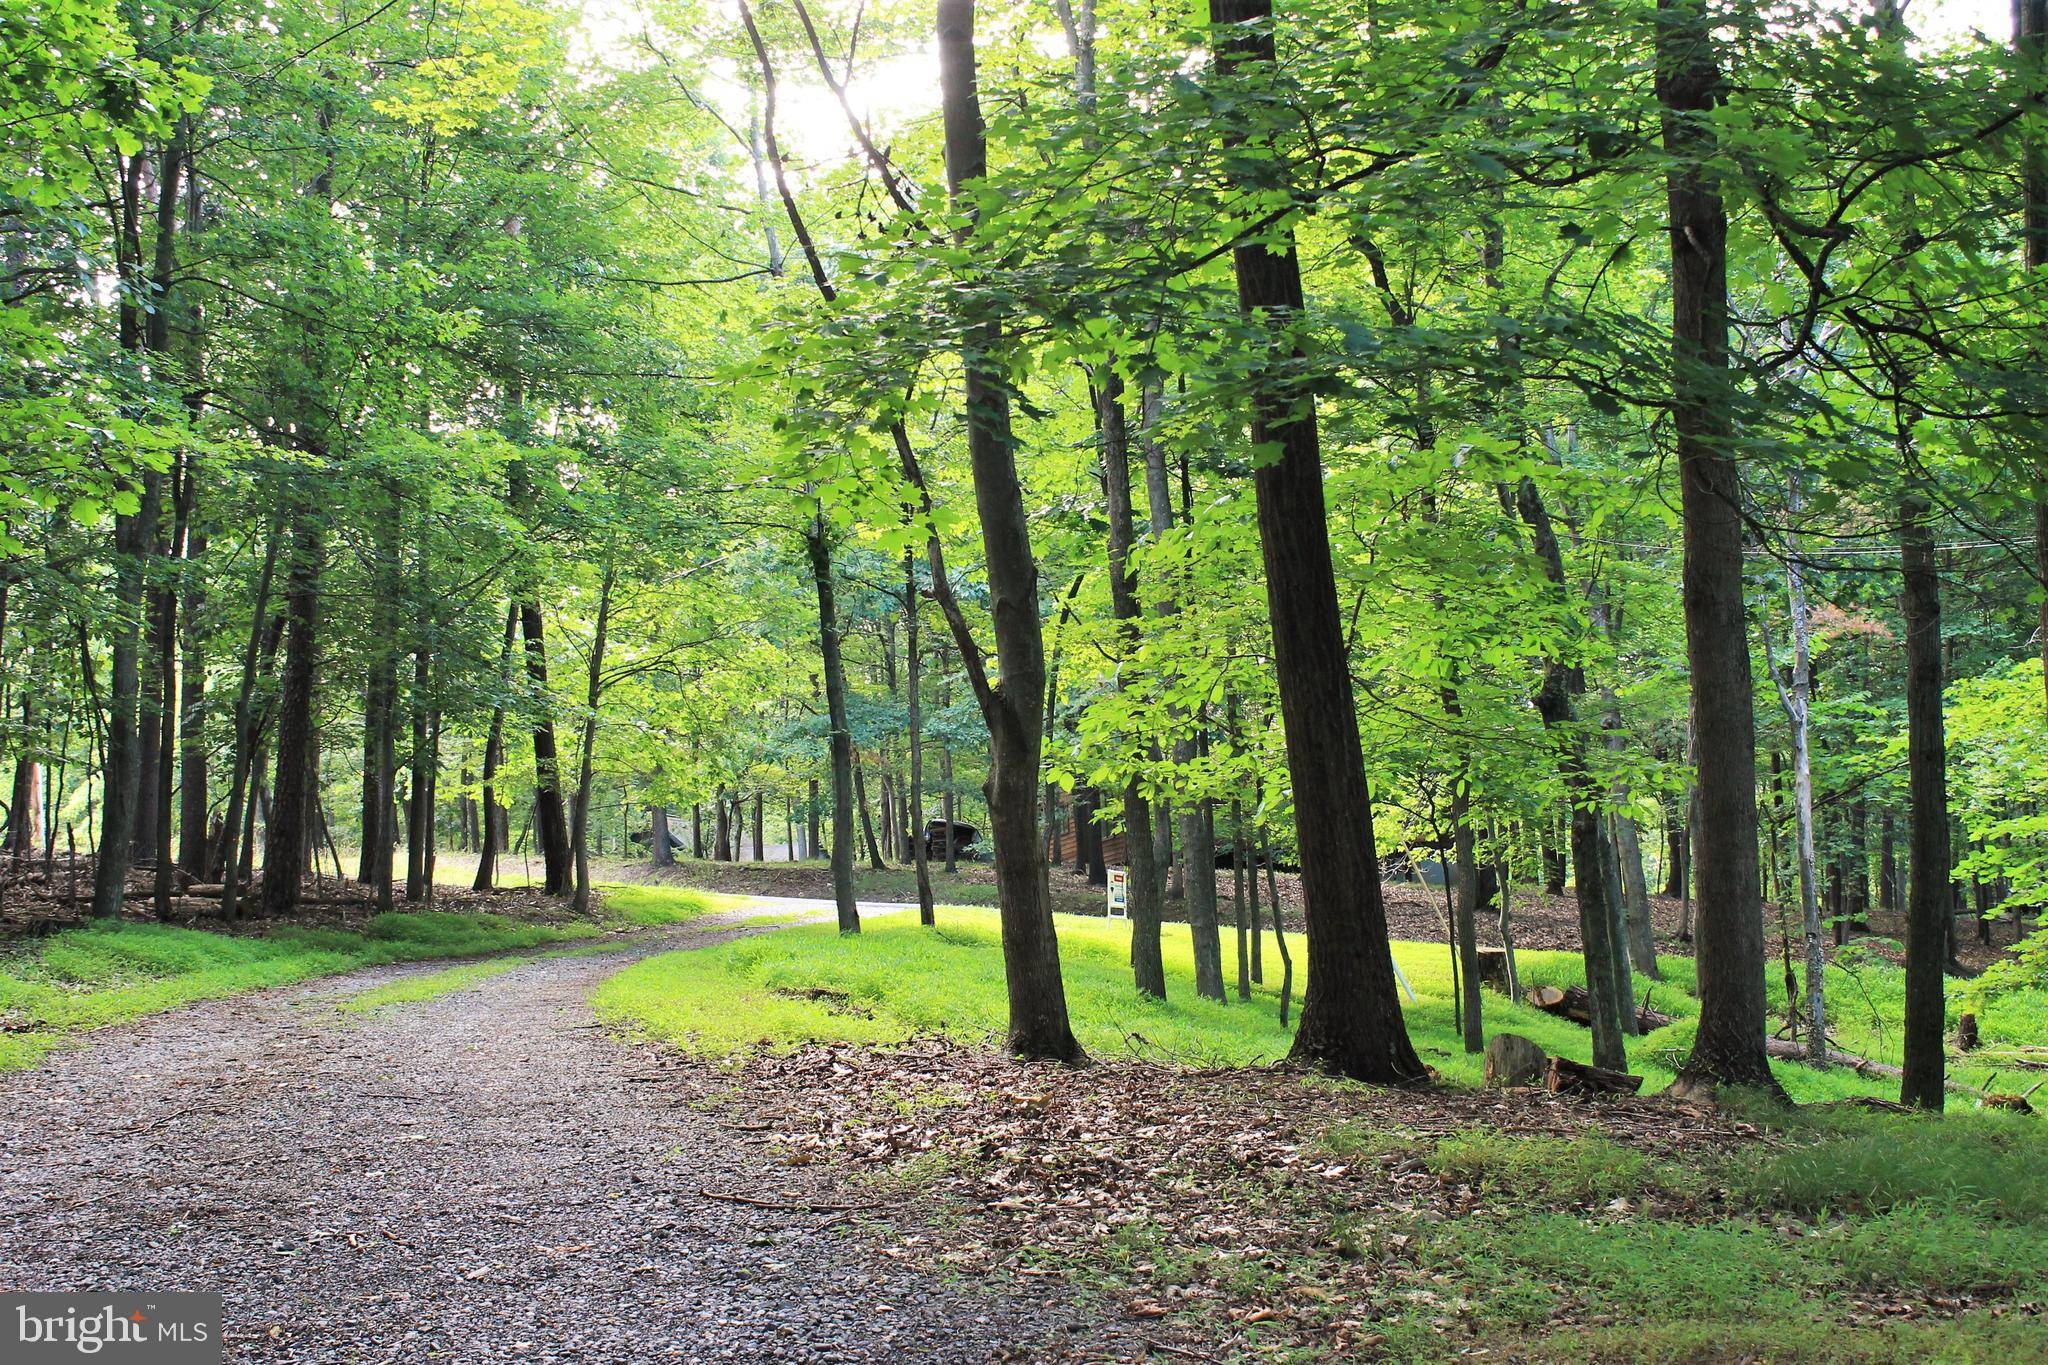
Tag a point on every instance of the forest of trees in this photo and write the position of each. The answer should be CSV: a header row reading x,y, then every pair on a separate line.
x,y
1595,444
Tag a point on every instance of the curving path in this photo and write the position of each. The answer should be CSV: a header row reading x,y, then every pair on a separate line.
x,y
482,1176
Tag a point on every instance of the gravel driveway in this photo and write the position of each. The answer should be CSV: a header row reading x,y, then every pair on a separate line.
x,y
481,1176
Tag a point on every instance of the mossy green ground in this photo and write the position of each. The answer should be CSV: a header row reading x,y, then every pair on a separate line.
x,y
78,980
899,979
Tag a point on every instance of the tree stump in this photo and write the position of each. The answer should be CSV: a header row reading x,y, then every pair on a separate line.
x,y
1493,968
1513,1060
1966,1033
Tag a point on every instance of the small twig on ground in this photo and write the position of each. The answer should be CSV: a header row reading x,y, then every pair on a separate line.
x,y
1180,1351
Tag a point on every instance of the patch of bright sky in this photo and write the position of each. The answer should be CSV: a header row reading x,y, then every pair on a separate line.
x,y
890,91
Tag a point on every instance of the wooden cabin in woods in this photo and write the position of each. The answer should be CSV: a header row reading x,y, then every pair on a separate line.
x,y
1112,846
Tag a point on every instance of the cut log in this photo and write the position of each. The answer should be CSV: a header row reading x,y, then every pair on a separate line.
x,y
2017,1103
1513,1060
1573,1003
1568,1077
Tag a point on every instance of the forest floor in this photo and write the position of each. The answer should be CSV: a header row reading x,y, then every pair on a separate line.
x,y
406,1164
1232,1209
812,1149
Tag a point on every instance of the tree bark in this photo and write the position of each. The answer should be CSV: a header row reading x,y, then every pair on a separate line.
x,y
1148,969
551,818
1563,684
120,784
1928,911
920,855
593,692
1039,1027
287,826
243,758
1351,1019
1729,929
491,827
420,814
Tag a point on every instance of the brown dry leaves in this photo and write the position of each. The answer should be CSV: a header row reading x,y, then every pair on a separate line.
x,y
1209,1203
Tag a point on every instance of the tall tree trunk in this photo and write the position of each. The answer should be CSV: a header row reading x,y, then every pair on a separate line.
x,y
1039,1027
551,818
867,817
491,827
1729,942
1928,910
134,535
1465,859
1198,848
164,637
1350,1015
1795,697
912,633
1676,842
1635,890
193,854
1563,684
242,760
1148,968
420,815
2030,43
593,692
286,827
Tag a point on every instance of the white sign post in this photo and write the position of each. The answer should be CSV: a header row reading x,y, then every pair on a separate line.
x,y
1119,893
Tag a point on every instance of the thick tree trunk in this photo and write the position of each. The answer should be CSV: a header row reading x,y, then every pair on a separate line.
x,y
1350,1015
286,828
1729,1048
1039,1026
551,817
1928,910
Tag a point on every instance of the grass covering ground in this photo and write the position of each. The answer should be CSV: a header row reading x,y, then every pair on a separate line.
x,y
70,983
896,980
1865,1238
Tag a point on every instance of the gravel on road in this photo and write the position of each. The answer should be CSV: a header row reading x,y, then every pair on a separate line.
x,y
485,1175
